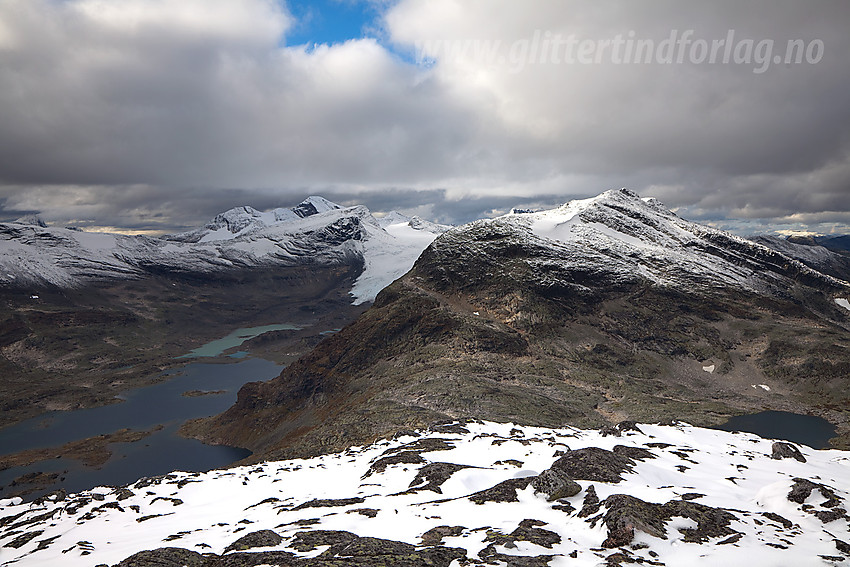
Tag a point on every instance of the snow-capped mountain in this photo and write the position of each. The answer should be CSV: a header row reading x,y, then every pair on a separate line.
x,y
241,220
467,493
315,232
605,308
634,239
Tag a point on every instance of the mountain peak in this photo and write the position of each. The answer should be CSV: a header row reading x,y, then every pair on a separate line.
x,y
313,205
32,220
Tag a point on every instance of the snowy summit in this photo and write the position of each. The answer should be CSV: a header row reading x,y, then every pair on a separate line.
x,y
316,231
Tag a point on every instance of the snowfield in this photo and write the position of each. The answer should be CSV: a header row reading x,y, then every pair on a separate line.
x,y
480,491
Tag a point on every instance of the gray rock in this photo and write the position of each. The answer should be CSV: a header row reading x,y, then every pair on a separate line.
x,y
261,538
165,557
783,450
593,463
555,484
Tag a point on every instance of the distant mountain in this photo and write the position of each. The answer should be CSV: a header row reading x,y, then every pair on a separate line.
x,y
810,252
86,316
837,243
315,232
603,309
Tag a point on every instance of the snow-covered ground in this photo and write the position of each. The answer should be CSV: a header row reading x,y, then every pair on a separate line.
x,y
719,497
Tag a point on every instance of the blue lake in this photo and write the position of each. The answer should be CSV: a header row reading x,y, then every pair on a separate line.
x,y
804,429
236,338
141,409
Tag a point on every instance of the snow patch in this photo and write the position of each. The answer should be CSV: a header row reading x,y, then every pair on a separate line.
x,y
709,368
843,302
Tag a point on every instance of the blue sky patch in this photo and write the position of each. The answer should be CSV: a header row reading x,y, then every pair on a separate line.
x,y
331,21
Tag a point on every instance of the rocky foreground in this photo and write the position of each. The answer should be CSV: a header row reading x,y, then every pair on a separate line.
x,y
467,494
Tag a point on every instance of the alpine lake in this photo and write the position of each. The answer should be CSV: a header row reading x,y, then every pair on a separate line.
x,y
146,421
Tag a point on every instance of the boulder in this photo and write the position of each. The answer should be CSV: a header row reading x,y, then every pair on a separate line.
x,y
555,484
783,450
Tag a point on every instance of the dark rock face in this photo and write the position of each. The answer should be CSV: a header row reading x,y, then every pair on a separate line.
x,y
262,538
555,484
503,492
783,450
432,475
593,463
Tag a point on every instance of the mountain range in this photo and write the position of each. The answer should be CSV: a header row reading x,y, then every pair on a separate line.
x,y
516,393
314,232
86,316
601,310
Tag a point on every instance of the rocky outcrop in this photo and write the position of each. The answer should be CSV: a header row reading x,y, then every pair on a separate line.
x,y
783,450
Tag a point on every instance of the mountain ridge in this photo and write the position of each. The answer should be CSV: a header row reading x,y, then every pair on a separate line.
x,y
601,310
314,232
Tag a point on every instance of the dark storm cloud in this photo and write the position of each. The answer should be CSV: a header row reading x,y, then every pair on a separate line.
x,y
158,114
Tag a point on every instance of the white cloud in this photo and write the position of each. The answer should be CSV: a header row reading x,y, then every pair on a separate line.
x,y
197,94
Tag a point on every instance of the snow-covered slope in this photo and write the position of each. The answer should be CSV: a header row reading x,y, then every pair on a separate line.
x,y
634,238
314,232
391,253
479,492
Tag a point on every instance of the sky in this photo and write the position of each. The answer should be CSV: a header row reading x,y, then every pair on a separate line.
x,y
152,116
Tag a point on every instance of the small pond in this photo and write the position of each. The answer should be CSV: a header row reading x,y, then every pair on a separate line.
x,y
804,429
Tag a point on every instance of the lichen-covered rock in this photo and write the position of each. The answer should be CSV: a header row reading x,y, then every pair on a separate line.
x,y
619,429
247,559
555,484
165,557
505,491
783,450
308,541
261,538
595,464
634,453
330,502
626,514
591,503
802,489
435,536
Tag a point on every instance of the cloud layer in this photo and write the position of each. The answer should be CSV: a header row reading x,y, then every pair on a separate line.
x,y
150,113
